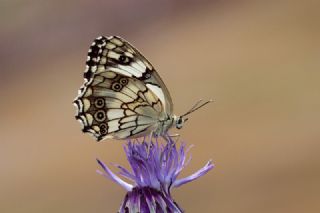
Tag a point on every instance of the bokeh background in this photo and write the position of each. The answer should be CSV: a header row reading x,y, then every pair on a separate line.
x,y
259,61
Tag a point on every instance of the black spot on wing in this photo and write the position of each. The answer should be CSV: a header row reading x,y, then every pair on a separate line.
x,y
86,129
94,55
100,40
146,75
94,51
88,75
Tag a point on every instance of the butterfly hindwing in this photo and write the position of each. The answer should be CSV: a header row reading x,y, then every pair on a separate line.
x,y
112,105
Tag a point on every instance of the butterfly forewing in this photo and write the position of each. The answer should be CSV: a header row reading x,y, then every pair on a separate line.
x,y
119,56
123,96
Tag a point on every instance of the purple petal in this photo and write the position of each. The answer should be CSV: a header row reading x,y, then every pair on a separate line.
x,y
195,175
110,175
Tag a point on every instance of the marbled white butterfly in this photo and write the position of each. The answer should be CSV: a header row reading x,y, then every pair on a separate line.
x,y
123,96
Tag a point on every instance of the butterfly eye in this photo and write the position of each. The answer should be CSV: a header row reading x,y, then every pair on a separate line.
x,y
124,59
179,123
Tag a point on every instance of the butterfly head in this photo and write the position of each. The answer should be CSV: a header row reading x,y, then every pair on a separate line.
x,y
180,120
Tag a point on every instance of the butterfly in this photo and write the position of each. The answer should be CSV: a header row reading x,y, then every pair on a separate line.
x,y
123,96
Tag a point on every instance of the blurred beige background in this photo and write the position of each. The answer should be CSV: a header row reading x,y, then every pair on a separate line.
x,y
259,61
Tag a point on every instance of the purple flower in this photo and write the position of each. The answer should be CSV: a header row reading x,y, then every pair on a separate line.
x,y
155,168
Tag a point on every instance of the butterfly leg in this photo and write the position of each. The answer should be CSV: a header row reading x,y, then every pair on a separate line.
x,y
176,136
171,143
169,138
150,143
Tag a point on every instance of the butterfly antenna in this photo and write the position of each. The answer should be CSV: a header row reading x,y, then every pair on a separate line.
x,y
196,106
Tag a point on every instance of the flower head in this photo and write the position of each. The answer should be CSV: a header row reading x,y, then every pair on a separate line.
x,y
155,168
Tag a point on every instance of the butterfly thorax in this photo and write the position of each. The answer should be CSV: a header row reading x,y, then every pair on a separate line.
x,y
164,125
